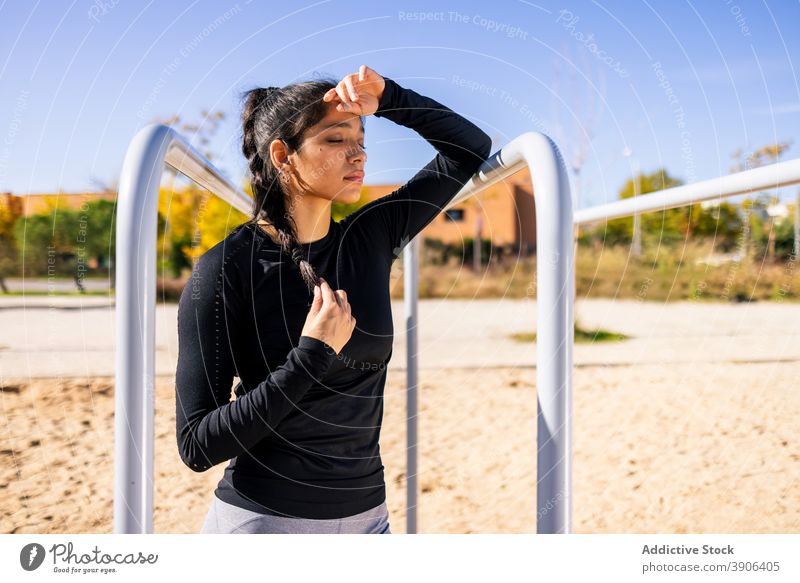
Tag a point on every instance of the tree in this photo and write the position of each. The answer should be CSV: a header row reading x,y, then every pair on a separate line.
x,y
666,225
10,211
722,222
46,240
768,154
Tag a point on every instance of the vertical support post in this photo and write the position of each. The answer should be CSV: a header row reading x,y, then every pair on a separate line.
x,y
797,226
137,213
477,242
411,296
554,332
555,323
637,219
135,286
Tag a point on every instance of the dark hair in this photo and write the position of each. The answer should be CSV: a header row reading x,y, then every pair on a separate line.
x,y
283,113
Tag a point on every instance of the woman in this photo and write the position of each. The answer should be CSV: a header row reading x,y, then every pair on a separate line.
x,y
297,306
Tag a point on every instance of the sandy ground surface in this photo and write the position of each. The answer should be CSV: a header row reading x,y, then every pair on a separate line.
x,y
43,336
705,441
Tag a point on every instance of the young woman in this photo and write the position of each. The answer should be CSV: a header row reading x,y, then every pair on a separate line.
x,y
297,306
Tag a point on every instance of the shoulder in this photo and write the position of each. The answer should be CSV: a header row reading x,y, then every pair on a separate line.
x,y
231,251
225,263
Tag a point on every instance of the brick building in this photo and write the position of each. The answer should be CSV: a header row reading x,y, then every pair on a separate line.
x,y
506,210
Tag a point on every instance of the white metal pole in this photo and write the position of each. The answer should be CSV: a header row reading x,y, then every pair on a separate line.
x,y
769,177
137,214
554,332
637,219
411,298
797,226
477,243
554,308
137,209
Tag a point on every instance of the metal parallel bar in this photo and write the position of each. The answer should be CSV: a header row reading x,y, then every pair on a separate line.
x,y
765,178
555,330
192,164
156,145
410,301
137,208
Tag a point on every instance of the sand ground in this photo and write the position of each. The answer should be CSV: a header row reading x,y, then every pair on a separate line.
x,y
654,451
704,442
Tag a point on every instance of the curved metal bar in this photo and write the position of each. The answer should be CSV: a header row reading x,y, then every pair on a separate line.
x,y
137,209
554,325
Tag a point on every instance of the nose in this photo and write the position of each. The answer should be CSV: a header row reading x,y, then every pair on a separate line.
x,y
357,153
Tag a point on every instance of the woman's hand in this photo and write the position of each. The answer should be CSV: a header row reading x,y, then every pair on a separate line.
x,y
329,320
358,93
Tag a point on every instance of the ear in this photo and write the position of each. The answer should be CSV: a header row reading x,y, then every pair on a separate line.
x,y
278,152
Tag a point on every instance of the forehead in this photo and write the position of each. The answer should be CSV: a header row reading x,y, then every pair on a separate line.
x,y
340,120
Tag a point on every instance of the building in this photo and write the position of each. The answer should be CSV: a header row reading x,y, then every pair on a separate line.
x,y
505,213
33,204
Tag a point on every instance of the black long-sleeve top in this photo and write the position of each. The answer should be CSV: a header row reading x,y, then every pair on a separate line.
x,y
302,434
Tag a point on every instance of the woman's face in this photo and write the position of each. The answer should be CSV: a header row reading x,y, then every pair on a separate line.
x,y
331,151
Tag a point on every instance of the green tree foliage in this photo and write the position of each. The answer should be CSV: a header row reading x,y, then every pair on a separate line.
x,y
10,211
721,222
664,225
67,241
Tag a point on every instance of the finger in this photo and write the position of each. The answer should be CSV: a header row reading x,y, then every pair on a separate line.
x,y
327,293
348,81
349,107
316,304
329,94
362,72
341,91
345,303
332,296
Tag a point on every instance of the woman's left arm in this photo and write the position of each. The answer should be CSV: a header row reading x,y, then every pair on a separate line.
x,y
461,148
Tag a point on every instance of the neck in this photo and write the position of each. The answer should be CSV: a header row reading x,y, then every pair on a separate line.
x,y
312,218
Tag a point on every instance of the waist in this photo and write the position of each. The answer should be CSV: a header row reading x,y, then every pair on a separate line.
x,y
269,493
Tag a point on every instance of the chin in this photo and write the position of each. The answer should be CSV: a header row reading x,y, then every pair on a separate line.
x,y
348,196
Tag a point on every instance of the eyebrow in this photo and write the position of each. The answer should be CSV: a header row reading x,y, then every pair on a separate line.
x,y
345,124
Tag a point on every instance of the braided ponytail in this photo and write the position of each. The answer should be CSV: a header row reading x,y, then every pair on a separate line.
x,y
280,113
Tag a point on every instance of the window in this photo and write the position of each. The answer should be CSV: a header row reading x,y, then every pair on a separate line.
x,y
454,215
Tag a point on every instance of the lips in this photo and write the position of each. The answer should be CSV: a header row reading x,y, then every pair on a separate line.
x,y
355,177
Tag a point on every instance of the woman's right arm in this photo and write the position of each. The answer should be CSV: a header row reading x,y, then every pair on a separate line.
x,y
211,428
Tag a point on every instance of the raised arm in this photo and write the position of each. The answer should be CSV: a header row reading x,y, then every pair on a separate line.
x,y
461,148
211,428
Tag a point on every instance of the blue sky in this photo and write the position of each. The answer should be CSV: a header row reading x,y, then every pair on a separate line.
x,y
681,84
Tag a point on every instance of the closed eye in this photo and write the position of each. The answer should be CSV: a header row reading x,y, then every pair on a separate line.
x,y
363,147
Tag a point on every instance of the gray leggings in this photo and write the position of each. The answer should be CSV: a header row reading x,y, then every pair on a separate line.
x,y
224,518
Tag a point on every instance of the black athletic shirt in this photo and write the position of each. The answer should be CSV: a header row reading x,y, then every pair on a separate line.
x,y
302,434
